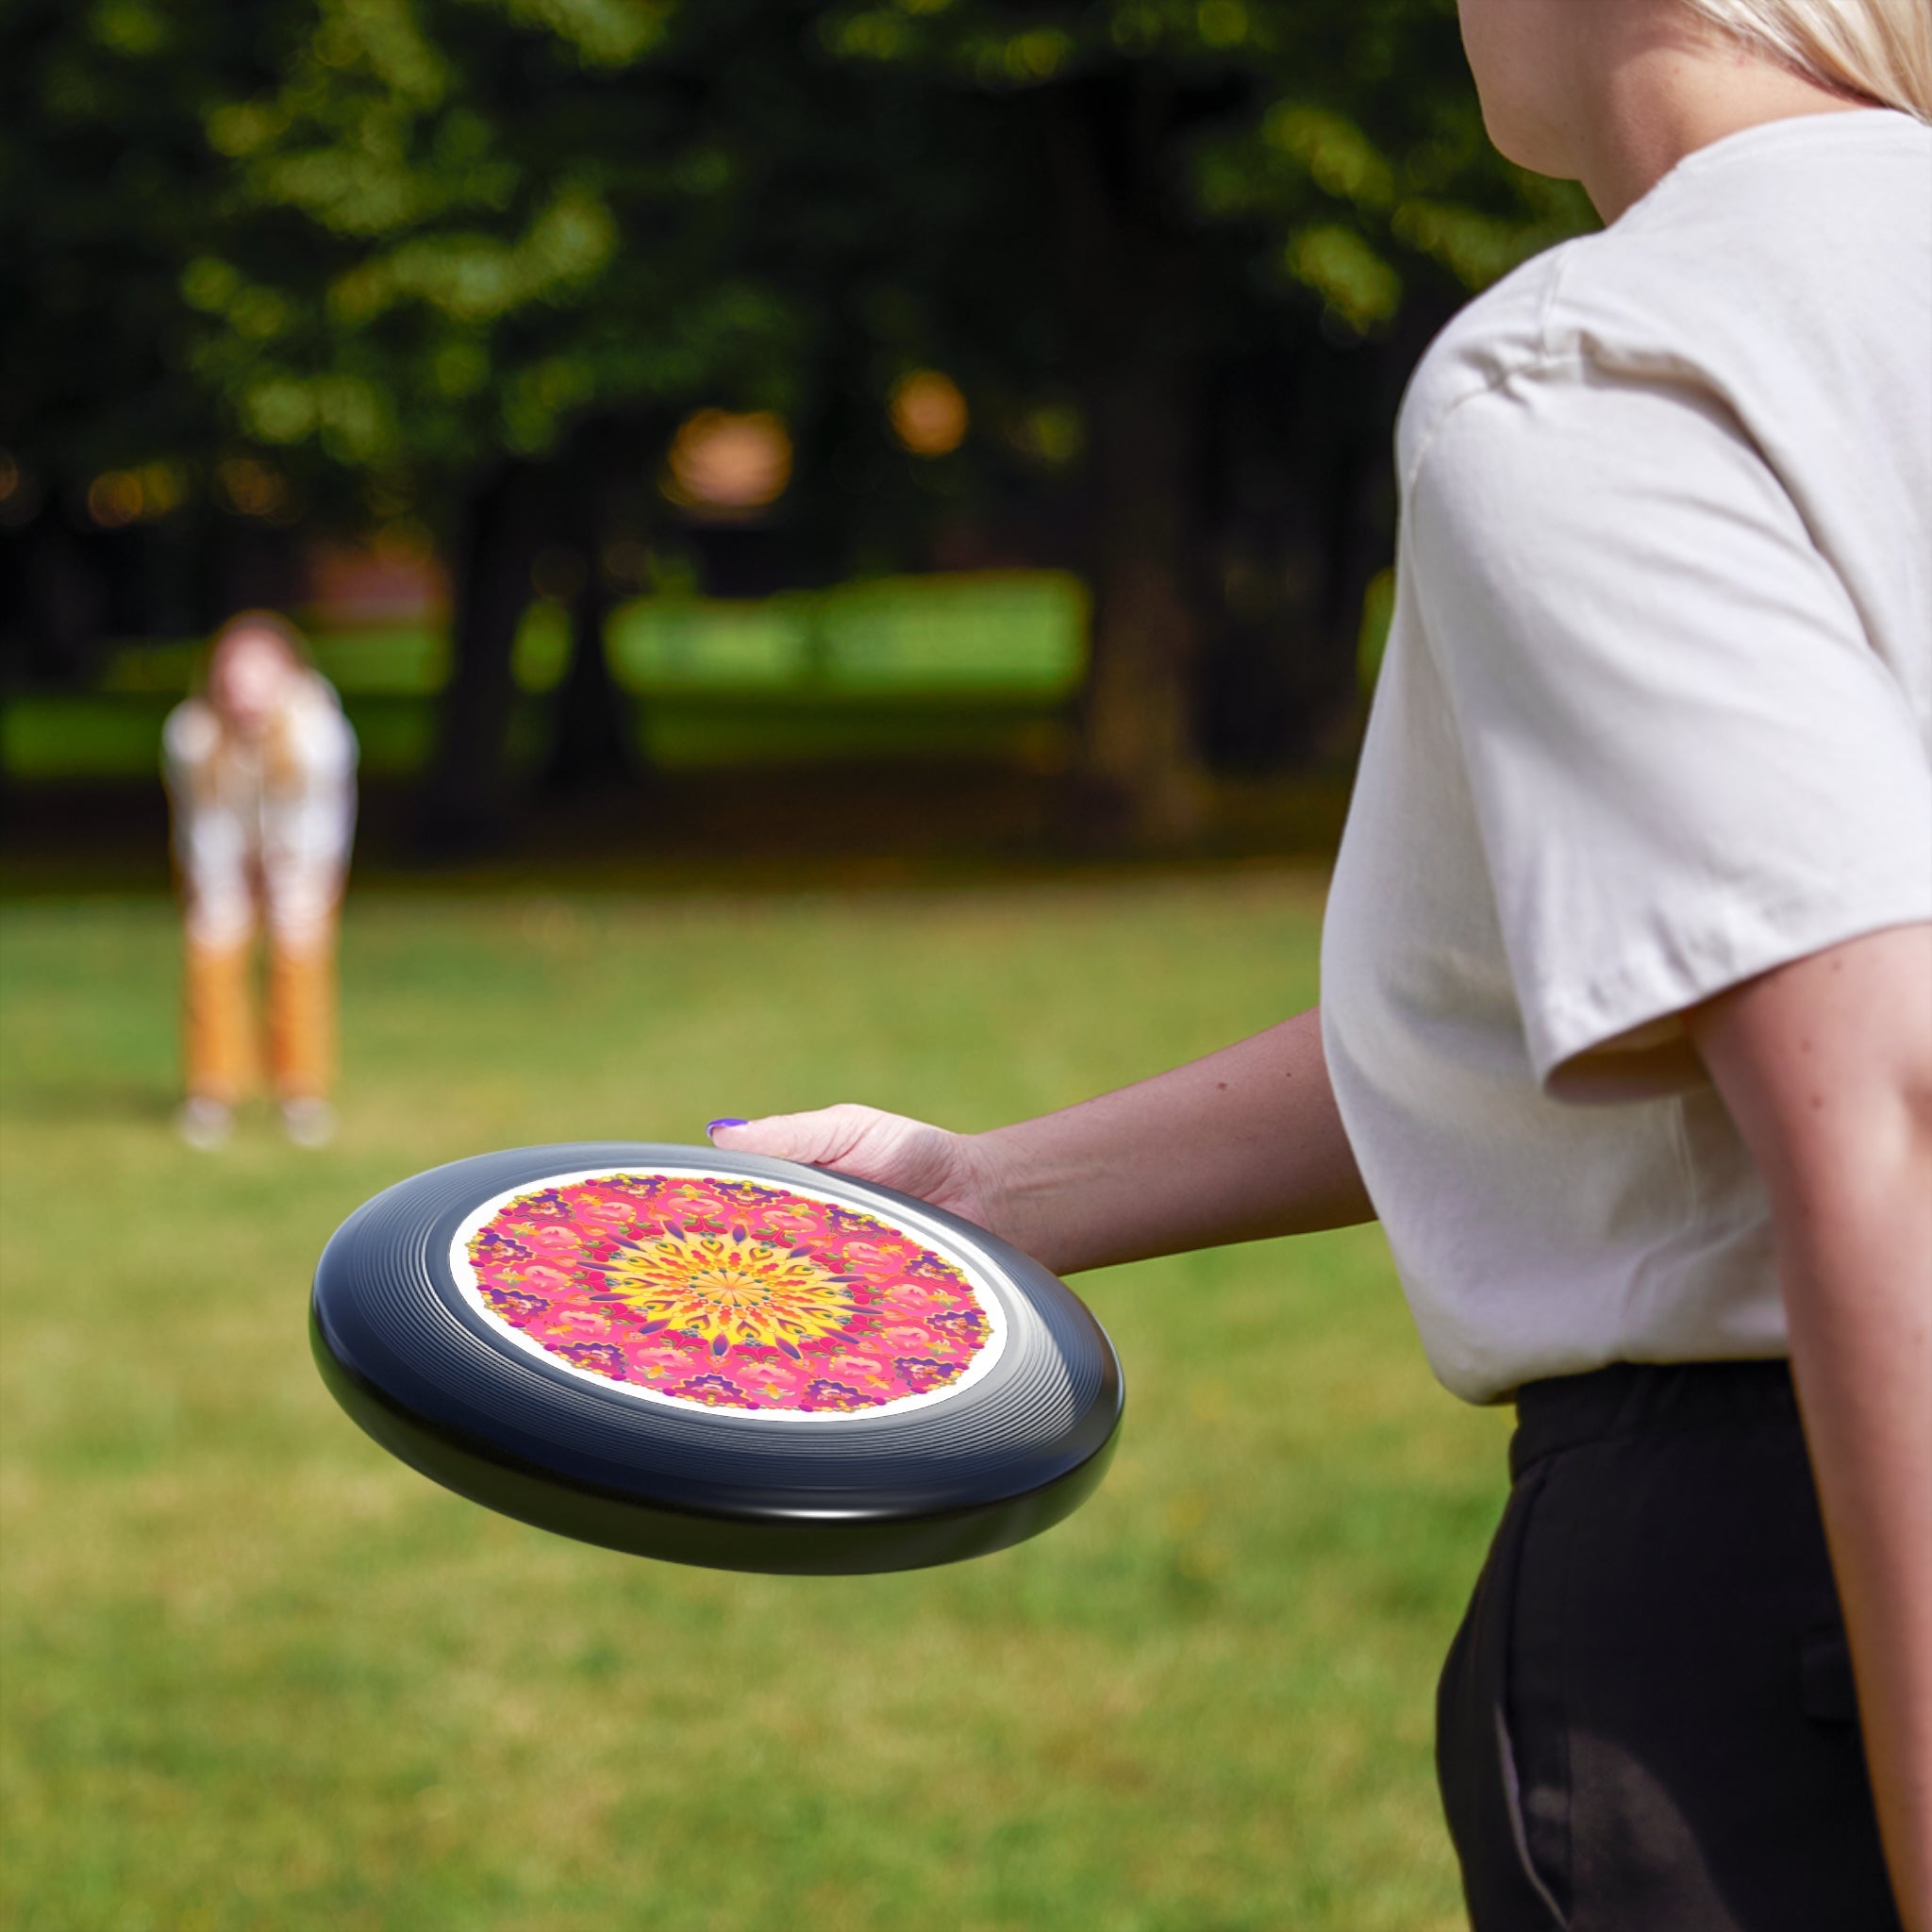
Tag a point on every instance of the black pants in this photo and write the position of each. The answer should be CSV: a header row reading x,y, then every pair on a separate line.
x,y
1646,1722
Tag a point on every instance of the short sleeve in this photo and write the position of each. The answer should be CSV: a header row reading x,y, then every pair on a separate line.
x,y
188,742
1687,761
322,739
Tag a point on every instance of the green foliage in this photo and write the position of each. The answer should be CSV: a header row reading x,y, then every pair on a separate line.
x,y
1347,133
107,188
499,238
255,1673
397,238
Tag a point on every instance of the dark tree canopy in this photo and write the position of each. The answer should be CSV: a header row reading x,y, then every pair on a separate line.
x,y
468,262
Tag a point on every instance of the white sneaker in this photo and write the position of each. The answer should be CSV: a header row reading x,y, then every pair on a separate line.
x,y
308,1122
204,1123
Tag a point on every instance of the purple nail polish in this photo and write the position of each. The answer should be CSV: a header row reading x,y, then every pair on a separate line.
x,y
714,1126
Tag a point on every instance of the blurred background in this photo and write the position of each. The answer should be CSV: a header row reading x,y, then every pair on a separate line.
x,y
854,539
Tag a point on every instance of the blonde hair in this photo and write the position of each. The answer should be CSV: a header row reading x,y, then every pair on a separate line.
x,y
1880,50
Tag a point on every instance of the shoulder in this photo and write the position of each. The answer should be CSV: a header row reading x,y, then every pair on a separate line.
x,y
1496,338
1604,309
1754,271
191,735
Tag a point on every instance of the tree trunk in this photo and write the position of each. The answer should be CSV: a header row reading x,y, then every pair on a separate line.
x,y
1134,305
466,802
593,744
1140,740
62,600
590,742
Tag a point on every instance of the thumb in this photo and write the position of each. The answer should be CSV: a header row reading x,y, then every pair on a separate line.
x,y
888,1148
819,1139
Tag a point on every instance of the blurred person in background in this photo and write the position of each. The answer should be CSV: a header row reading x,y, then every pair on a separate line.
x,y
1626,1021
260,770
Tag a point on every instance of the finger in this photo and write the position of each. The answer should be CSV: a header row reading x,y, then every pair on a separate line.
x,y
817,1138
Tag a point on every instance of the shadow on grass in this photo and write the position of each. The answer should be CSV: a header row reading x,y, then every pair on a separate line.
x,y
736,830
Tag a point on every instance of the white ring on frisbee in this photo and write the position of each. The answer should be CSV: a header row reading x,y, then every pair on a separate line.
x,y
914,1227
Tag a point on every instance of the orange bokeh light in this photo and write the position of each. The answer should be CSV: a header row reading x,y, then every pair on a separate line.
x,y
115,499
929,415
728,464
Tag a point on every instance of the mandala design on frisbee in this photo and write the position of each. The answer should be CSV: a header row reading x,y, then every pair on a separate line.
x,y
702,1291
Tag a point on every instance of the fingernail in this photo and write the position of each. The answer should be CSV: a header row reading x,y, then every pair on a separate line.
x,y
714,1126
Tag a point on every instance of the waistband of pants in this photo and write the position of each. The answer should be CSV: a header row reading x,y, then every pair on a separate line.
x,y
1641,1398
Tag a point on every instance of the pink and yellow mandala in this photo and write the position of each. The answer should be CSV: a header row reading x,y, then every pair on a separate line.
x,y
724,1295
729,1290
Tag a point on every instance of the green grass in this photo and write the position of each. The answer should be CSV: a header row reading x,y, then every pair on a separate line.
x,y
259,1676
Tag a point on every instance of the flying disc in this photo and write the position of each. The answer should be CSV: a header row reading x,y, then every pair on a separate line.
x,y
715,1358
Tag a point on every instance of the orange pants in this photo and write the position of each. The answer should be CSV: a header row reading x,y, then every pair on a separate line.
x,y
223,1048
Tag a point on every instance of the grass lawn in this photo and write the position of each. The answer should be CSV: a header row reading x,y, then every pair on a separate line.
x,y
259,1676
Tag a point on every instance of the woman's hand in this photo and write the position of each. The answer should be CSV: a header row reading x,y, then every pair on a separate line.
x,y
949,1170
1236,1147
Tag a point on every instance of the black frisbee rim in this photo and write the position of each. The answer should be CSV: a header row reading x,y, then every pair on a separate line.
x,y
418,1369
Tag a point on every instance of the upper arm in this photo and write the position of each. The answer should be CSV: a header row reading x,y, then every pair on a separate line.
x,y
1826,1067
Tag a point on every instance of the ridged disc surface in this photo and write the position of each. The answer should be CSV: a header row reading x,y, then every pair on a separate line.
x,y
715,1358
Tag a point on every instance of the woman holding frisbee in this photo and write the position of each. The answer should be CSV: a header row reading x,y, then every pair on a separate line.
x,y
1626,1031
260,767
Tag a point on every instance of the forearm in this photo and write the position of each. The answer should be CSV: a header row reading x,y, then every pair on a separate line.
x,y
1858,1295
1826,1068
1241,1145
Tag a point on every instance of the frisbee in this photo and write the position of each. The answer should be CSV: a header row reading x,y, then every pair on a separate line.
x,y
715,1358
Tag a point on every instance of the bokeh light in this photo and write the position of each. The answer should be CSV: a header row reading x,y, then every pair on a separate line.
x,y
119,498
727,464
250,489
929,415
114,499
1050,433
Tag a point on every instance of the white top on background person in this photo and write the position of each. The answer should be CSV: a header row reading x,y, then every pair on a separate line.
x,y
1668,731
263,791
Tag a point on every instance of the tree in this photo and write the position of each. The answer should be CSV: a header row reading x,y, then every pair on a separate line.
x,y
470,262
489,236
109,190
1217,200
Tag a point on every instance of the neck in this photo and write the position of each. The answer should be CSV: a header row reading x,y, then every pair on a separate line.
x,y
1661,92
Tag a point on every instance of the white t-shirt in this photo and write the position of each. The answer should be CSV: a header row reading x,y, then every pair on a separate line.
x,y
1656,716
252,823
